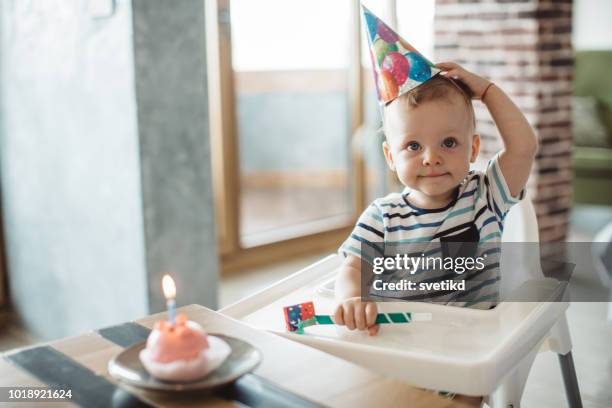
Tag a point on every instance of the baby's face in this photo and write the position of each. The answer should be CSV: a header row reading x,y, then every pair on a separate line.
x,y
430,146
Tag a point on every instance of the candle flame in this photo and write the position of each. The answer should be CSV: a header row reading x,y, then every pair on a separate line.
x,y
168,287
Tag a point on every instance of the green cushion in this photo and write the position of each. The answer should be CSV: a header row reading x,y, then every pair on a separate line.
x,y
592,75
605,114
593,159
587,126
592,78
592,175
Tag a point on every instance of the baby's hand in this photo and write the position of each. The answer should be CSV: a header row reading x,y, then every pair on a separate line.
x,y
477,84
354,313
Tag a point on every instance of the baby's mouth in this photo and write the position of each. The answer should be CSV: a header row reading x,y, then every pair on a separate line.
x,y
433,175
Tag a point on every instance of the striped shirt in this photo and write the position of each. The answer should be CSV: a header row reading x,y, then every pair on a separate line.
x,y
476,214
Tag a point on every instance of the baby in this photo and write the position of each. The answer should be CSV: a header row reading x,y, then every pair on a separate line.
x,y
430,143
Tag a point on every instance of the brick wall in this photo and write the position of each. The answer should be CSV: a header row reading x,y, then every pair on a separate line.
x,y
524,47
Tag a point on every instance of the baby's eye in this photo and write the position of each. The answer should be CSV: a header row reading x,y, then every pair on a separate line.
x,y
414,146
449,142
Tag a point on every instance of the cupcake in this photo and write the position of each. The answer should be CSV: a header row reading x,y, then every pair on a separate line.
x,y
182,351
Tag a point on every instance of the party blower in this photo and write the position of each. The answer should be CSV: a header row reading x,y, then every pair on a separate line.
x,y
303,315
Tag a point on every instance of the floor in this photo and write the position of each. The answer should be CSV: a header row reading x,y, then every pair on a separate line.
x,y
12,334
591,335
592,352
238,286
269,209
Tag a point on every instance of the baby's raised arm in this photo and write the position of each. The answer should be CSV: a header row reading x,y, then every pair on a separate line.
x,y
520,142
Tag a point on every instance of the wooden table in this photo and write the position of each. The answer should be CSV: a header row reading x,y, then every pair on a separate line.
x,y
309,375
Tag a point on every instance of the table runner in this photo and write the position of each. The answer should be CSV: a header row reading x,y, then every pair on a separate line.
x,y
250,389
58,370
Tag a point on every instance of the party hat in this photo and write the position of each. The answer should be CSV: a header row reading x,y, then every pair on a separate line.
x,y
398,67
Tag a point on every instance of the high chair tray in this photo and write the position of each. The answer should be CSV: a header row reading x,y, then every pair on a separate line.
x,y
463,350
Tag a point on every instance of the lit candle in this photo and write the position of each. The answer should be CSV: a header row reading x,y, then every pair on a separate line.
x,y
169,289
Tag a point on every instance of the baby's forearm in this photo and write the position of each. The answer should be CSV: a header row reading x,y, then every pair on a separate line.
x,y
348,282
517,134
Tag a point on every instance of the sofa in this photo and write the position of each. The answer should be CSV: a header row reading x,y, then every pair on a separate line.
x,y
592,127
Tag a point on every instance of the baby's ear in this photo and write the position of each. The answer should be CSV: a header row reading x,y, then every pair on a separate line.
x,y
475,147
388,155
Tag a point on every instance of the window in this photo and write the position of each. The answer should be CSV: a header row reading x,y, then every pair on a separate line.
x,y
284,89
290,64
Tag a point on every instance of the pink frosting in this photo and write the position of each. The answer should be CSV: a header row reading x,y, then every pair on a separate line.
x,y
180,341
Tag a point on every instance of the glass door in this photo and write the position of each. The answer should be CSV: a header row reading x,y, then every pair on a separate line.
x,y
284,96
290,63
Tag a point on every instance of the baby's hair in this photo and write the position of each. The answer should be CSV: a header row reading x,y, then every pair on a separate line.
x,y
438,87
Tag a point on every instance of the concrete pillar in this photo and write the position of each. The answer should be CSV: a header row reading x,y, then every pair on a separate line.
x,y
106,178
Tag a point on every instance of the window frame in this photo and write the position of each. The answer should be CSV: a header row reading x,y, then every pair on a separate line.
x,y
235,253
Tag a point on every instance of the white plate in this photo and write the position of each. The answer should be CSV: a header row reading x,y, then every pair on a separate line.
x,y
126,367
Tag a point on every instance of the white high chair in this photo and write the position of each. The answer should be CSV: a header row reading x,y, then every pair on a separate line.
x,y
521,225
463,350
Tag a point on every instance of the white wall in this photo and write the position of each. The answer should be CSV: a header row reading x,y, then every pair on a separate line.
x,y
592,24
105,162
70,169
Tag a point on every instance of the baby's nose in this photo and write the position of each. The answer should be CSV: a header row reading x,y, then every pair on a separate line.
x,y
431,158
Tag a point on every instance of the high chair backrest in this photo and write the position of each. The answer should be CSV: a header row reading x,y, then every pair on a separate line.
x,y
520,260
521,223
